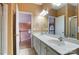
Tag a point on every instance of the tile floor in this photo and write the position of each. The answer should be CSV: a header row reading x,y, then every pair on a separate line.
x,y
25,44
27,51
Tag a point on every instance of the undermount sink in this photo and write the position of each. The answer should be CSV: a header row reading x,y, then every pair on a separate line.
x,y
55,36
57,42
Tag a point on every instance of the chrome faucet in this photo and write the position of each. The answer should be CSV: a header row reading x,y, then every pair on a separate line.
x,y
60,38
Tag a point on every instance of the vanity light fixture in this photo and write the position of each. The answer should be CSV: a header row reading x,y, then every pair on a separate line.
x,y
43,13
56,4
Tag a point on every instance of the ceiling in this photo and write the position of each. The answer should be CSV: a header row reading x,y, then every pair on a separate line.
x,y
57,7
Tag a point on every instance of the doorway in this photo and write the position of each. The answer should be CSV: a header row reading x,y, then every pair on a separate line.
x,y
25,30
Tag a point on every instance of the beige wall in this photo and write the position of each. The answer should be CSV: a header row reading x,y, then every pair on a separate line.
x,y
51,11
29,7
61,11
71,11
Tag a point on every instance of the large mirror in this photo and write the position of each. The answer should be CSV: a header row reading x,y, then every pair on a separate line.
x,y
63,21
73,26
73,21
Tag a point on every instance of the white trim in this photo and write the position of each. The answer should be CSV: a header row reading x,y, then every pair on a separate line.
x,y
25,12
17,31
4,29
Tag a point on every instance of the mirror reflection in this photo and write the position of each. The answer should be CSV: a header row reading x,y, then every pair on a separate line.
x,y
63,20
73,26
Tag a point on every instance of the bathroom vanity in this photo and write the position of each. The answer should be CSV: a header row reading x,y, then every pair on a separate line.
x,y
50,45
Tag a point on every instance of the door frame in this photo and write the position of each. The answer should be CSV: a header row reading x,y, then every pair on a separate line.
x,y
17,16
17,33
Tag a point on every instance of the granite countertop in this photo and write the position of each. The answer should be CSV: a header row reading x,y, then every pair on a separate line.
x,y
52,42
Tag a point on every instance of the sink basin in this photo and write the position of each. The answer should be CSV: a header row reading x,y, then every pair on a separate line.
x,y
55,36
50,38
56,42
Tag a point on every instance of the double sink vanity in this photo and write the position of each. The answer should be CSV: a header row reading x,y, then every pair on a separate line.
x,y
49,44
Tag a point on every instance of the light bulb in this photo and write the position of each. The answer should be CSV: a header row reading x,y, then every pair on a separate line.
x,y
57,4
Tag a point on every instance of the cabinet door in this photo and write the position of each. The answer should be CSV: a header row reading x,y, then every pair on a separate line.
x,y
38,46
35,42
42,49
49,51
32,41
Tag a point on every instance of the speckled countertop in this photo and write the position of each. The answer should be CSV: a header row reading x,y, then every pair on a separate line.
x,y
62,48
